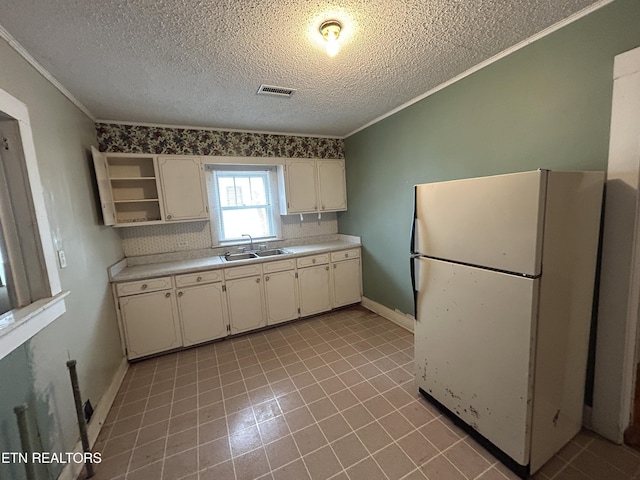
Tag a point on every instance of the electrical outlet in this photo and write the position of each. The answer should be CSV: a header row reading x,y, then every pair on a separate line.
x,y
62,259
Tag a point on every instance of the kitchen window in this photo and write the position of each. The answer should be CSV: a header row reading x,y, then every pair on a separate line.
x,y
243,200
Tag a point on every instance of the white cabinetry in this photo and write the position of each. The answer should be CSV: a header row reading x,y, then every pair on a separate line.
x,y
346,277
184,192
128,188
309,186
150,320
314,284
281,291
332,187
202,304
245,297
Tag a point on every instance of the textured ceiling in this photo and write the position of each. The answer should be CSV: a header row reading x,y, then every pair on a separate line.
x,y
200,62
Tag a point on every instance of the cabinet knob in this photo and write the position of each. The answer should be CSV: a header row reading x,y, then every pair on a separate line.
x,y
327,267
143,286
313,260
334,265
167,295
346,255
199,279
322,207
180,294
266,279
258,280
169,217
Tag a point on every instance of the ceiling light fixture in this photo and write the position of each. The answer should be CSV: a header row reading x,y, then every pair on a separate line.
x,y
330,31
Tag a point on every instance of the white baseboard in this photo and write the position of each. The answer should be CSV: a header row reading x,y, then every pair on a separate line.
x,y
72,470
401,319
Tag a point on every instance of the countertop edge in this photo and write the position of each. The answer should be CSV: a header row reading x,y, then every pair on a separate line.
x,y
118,273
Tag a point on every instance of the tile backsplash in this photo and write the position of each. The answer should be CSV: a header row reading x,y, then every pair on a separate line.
x,y
166,238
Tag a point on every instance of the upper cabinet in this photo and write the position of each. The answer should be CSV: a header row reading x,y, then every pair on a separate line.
x,y
310,186
138,189
184,192
129,189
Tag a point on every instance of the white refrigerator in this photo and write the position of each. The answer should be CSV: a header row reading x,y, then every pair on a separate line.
x,y
503,271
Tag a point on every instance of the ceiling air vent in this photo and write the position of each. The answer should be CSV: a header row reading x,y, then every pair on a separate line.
x,y
271,90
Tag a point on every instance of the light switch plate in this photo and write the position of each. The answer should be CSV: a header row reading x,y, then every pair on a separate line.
x,y
62,259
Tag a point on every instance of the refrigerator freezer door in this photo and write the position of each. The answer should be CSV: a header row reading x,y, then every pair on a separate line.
x,y
493,222
474,340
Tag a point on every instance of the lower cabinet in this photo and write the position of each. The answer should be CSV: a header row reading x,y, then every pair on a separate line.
x,y
346,284
150,322
245,297
281,293
203,312
161,314
315,293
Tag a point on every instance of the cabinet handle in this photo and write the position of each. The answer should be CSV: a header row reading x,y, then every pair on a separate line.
x,y
266,279
167,295
258,280
327,267
169,217
180,294
334,265
199,279
143,286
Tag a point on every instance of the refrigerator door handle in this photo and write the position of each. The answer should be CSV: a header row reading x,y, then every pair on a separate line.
x,y
412,247
412,265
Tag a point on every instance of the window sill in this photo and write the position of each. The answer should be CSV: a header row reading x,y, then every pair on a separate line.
x,y
19,325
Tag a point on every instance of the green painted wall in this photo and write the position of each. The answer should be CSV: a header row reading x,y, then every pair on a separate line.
x,y
36,372
547,105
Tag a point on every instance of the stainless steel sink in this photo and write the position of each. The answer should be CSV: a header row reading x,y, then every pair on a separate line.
x,y
273,251
232,257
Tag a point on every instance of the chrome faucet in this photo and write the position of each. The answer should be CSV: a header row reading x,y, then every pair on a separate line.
x,y
250,240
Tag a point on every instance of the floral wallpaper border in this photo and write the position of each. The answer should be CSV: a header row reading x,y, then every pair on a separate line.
x,y
114,137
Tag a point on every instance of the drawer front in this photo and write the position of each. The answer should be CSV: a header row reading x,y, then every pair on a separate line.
x,y
313,260
279,266
241,272
345,255
143,286
198,278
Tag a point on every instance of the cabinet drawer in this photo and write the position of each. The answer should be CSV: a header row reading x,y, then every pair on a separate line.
x,y
279,266
143,286
313,260
198,278
345,255
241,272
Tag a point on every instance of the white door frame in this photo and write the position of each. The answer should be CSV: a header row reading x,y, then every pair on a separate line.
x,y
619,297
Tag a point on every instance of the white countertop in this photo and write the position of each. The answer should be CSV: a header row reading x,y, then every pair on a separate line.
x,y
160,269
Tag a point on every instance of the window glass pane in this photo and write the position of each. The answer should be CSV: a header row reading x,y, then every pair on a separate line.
x,y
253,221
258,191
6,303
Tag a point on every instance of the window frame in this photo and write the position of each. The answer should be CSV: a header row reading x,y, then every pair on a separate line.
x,y
215,208
21,323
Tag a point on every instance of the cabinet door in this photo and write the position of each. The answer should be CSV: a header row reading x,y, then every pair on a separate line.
x,y
151,323
281,293
104,186
245,298
347,282
301,183
332,186
183,188
315,295
203,313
